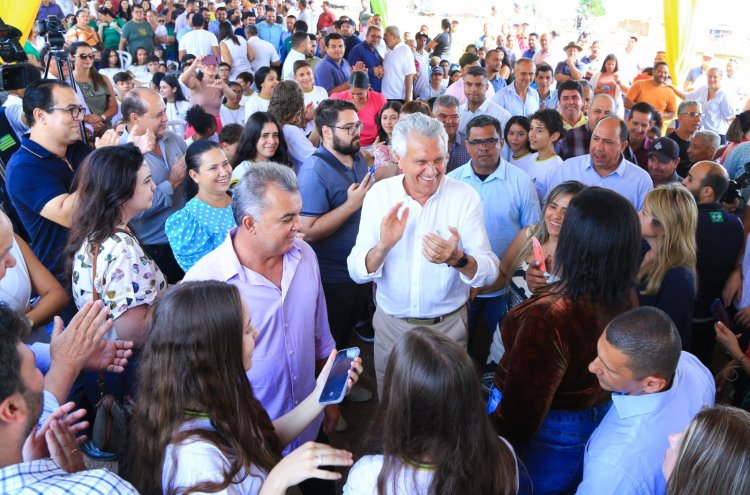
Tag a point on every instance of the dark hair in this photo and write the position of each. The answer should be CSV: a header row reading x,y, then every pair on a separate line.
x,y
300,26
445,24
299,37
467,58
601,227
39,95
174,84
198,20
298,64
13,326
126,14
642,107
569,85
247,149
333,36
609,57
476,71
484,120
650,340
230,133
659,64
432,404
193,162
359,79
520,120
551,119
193,358
104,182
739,127
156,78
104,60
543,68
200,120
260,76
391,105
416,106
123,76
327,113
226,32
288,104
246,76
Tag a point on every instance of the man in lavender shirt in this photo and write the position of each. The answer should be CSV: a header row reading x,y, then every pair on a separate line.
x,y
278,277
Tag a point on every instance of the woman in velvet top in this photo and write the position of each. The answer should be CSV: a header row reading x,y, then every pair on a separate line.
x,y
550,402
666,279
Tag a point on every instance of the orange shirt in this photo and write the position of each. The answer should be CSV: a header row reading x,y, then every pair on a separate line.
x,y
662,98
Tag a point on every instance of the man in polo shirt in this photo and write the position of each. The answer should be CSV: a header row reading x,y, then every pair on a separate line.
x,y
40,173
332,72
350,38
269,30
399,68
605,166
475,88
639,123
367,53
576,142
519,98
570,68
333,183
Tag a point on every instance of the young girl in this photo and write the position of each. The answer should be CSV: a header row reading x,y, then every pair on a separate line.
x,y
232,112
177,104
261,141
266,81
203,123
386,120
545,130
140,64
517,141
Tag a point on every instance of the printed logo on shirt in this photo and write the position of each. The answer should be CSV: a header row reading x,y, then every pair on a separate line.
x,y
717,216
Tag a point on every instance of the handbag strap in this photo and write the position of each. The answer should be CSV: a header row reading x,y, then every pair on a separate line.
x,y
335,166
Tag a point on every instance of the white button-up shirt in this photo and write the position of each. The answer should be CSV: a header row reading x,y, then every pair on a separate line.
x,y
408,284
397,64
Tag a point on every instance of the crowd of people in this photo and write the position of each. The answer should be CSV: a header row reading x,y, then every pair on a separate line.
x,y
546,250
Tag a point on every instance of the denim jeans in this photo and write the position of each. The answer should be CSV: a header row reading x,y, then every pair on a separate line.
x,y
491,309
553,459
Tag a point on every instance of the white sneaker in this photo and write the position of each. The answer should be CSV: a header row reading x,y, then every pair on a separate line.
x,y
359,394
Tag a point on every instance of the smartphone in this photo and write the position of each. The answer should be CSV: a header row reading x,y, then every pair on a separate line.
x,y
335,387
720,313
372,170
538,254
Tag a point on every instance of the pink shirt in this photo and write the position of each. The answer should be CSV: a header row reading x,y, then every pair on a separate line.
x,y
367,114
292,323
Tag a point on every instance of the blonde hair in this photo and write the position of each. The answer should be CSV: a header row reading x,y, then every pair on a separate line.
x,y
714,454
675,213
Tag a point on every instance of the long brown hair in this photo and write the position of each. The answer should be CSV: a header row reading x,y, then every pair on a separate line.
x,y
432,412
192,363
94,75
288,104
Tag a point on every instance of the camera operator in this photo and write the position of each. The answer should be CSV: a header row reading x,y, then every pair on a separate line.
x,y
719,239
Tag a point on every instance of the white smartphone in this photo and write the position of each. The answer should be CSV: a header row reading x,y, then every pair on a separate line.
x,y
335,387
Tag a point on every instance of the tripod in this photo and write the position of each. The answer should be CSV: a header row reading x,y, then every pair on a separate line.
x,y
61,57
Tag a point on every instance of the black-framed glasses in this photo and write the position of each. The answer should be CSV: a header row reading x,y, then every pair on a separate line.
x,y
86,56
351,128
484,142
74,112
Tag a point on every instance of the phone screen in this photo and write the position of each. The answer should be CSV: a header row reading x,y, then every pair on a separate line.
x,y
333,390
720,313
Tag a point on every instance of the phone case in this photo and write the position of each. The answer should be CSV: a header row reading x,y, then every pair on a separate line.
x,y
538,254
335,386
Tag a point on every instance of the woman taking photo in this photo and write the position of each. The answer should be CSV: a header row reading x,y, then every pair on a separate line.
x,y
551,403
234,50
114,185
266,81
608,81
203,223
666,279
385,161
288,106
206,87
177,104
428,375
262,141
97,91
197,426
711,456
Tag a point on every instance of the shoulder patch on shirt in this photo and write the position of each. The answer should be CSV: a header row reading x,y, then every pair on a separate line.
x,y
716,216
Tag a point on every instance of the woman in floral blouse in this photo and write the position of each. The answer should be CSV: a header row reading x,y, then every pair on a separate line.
x,y
114,185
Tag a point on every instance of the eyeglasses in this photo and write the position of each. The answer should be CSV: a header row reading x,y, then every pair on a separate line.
x,y
352,129
86,56
484,142
693,114
75,112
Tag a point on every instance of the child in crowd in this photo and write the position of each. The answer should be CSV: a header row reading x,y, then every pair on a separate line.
x,y
203,123
546,128
517,140
232,111
246,81
229,139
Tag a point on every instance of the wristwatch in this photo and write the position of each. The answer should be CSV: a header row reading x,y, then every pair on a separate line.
x,y
462,261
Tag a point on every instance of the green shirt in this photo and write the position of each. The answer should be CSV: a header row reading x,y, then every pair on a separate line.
x,y
138,34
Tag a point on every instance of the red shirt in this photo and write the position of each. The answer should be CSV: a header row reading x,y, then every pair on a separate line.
x,y
367,114
326,19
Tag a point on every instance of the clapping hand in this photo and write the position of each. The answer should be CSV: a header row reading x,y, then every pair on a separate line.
x,y
109,138
439,250
391,227
144,139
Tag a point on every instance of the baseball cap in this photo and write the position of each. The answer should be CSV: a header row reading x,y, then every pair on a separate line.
x,y
437,70
664,149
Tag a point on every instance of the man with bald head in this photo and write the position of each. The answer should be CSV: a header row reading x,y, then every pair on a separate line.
x,y
519,98
719,238
605,166
144,112
576,141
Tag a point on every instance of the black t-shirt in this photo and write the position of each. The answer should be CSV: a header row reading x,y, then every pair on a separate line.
x,y
443,45
684,166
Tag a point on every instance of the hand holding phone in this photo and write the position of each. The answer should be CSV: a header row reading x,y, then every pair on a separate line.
x,y
334,389
720,313
538,254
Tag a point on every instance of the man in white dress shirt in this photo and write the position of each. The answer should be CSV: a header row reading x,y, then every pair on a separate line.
x,y
422,239
475,89
399,68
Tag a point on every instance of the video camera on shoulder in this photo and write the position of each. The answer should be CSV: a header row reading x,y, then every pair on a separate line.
x,y
734,191
14,71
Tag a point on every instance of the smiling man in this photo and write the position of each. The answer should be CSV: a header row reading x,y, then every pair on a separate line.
x,y
657,389
422,239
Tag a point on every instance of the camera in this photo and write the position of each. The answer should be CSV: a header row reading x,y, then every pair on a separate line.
x,y
734,191
14,72
52,28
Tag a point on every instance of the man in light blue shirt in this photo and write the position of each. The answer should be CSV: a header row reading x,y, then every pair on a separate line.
x,y
605,166
657,389
510,204
269,30
475,89
519,98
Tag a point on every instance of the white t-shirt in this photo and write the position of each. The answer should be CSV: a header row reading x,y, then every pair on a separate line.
x,y
15,286
265,53
287,72
298,146
538,170
199,42
314,96
363,478
198,460
229,116
255,103
397,64
240,63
